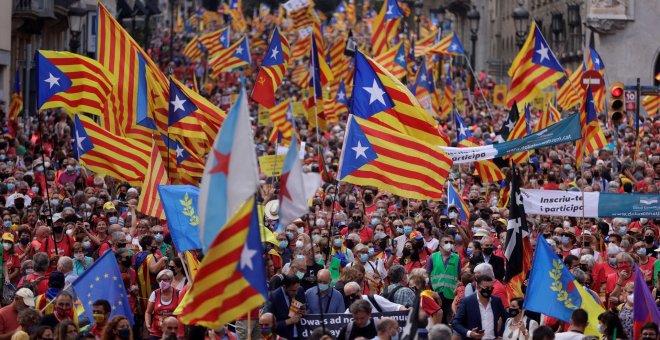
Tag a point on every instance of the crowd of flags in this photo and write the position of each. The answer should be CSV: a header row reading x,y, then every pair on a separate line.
x,y
136,124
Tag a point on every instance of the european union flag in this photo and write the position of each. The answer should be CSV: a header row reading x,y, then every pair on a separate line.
x,y
103,281
551,289
180,204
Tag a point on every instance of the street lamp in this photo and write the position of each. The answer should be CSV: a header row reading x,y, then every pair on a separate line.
x,y
520,21
473,17
573,18
419,5
76,14
557,28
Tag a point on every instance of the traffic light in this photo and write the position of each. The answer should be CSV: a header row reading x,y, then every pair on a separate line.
x,y
617,111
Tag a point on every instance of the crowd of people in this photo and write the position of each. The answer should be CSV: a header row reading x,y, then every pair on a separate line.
x,y
359,250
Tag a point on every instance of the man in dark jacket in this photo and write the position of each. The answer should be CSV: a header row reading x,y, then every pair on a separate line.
x,y
287,303
478,314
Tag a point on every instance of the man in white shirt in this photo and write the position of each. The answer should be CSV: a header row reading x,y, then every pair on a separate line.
x,y
378,303
400,241
579,320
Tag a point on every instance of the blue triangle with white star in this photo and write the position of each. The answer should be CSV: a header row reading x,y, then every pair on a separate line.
x,y
51,80
243,51
543,55
274,56
225,37
590,107
456,46
181,154
252,264
400,58
596,60
180,105
393,10
342,96
462,131
81,142
369,96
357,149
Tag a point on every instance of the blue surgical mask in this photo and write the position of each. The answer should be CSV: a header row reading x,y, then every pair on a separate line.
x,y
375,221
35,190
323,287
364,257
6,224
565,240
284,243
289,235
113,220
300,257
399,230
468,251
11,186
300,275
337,242
623,230
371,251
87,245
641,251
458,238
407,229
158,237
39,168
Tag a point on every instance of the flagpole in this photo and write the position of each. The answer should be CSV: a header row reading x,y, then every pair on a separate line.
x,y
185,267
477,84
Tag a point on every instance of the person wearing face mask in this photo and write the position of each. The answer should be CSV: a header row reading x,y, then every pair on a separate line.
x,y
11,264
23,247
404,235
339,251
162,303
487,256
59,244
101,312
18,200
518,326
481,315
616,281
311,267
291,232
63,310
323,299
159,237
285,301
388,329
267,324
609,325
110,212
374,272
283,250
80,261
646,261
23,299
650,240
148,262
444,270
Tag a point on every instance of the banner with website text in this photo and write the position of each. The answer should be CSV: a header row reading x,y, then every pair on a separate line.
x,y
590,204
565,131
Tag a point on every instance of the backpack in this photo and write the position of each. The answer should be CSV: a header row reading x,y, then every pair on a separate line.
x,y
390,295
32,284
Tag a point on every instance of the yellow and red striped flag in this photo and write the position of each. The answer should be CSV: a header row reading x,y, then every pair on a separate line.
x,y
215,41
73,82
301,48
374,155
149,203
651,104
423,45
520,130
231,280
272,70
447,99
236,55
394,60
449,45
594,62
534,68
282,118
104,153
385,26
16,101
570,91
592,134
549,116
194,49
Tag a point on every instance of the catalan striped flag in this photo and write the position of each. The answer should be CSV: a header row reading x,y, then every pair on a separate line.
x,y
518,250
394,60
397,107
534,68
301,48
272,70
191,114
549,116
336,52
16,101
141,89
651,105
374,155
321,73
183,165
215,41
592,134
423,45
72,82
300,75
571,92
487,170
282,117
455,200
449,45
595,62
424,89
149,203
447,100
231,280
108,154
236,55
194,49
519,130
301,18
385,26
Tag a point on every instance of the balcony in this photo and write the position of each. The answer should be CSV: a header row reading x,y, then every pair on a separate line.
x,y
33,9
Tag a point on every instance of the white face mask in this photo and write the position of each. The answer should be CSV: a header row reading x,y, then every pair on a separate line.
x,y
299,244
452,215
448,247
7,246
69,232
631,298
301,230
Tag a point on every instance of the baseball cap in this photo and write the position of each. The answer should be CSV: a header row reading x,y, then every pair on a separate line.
x,y
108,206
27,295
8,237
57,217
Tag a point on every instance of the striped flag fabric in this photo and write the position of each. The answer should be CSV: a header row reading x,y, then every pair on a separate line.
x,y
16,100
373,155
549,116
301,48
272,70
231,279
184,166
104,153
487,170
534,68
394,60
449,45
651,105
570,92
518,250
385,26
595,62
194,49
149,202
424,89
192,115
447,100
519,130
455,200
215,41
73,82
336,52
423,45
592,134
236,55
282,117
394,105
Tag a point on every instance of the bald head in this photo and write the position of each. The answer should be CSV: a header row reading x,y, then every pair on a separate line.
x,y
170,325
267,320
323,276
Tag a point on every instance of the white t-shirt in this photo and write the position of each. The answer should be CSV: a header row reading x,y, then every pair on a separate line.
x,y
569,336
152,298
385,304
